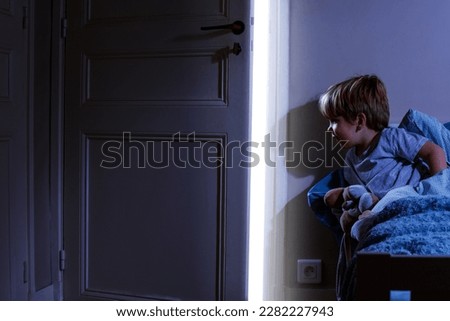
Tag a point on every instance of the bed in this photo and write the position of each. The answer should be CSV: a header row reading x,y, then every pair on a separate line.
x,y
402,251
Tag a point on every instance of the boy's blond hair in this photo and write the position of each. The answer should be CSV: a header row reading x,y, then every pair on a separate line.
x,y
363,94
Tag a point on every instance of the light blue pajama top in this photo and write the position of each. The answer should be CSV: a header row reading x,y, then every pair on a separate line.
x,y
390,163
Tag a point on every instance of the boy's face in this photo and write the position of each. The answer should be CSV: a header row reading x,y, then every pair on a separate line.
x,y
344,131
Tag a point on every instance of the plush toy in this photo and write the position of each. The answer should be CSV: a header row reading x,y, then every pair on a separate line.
x,y
349,203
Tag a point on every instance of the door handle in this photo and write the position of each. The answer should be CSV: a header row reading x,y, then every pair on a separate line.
x,y
236,27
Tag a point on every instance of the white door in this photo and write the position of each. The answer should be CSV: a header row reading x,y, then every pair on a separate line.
x,y
156,120
13,150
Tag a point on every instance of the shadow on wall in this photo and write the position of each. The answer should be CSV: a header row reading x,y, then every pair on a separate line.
x,y
306,128
304,236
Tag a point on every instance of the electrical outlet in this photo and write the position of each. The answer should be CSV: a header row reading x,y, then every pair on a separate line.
x,y
309,271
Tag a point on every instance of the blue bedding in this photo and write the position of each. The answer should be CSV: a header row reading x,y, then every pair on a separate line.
x,y
410,221
412,226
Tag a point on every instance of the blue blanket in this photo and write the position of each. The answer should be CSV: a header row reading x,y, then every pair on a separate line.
x,y
413,226
437,185
410,221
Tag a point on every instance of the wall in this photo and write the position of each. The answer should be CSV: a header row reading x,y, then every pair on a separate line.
x,y
404,42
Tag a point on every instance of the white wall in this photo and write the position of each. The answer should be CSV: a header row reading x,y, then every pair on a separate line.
x,y
407,44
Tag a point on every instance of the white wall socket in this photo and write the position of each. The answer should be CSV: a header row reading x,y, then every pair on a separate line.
x,y
309,271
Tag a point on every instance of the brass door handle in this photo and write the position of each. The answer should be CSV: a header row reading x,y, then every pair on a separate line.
x,y
236,27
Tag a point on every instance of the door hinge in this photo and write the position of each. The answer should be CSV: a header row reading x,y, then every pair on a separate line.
x,y
25,272
63,27
62,260
24,17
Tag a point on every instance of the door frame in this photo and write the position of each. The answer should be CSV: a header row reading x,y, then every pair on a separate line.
x,y
56,140
51,106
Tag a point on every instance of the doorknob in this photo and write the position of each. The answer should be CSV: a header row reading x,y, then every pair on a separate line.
x,y
236,27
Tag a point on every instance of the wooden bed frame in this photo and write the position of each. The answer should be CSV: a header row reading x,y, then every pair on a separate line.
x,y
422,278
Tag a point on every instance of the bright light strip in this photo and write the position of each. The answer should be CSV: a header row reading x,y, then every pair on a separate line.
x,y
259,129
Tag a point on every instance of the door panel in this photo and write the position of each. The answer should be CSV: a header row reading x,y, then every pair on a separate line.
x,y
180,238
155,200
139,70
103,9
13,152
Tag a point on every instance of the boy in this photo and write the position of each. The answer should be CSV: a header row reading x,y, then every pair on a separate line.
x,y
379,157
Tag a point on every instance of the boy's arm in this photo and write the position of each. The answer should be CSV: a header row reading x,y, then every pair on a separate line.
x,y
434,156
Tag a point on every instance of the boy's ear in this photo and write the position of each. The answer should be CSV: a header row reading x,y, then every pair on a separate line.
x,y
361,120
